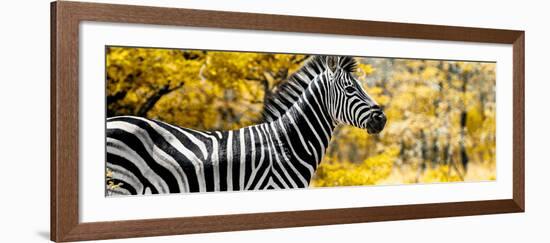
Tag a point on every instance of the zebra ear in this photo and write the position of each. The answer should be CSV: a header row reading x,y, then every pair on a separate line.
x,y
332,63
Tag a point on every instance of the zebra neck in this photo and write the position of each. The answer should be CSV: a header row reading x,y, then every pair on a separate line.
x,y
308,125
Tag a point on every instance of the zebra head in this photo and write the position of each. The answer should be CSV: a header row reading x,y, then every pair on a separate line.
x,y
348,103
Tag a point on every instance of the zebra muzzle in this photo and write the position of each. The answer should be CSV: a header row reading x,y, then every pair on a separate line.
x,y
377,123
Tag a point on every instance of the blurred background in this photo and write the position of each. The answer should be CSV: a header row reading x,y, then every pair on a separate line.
x,y
441,114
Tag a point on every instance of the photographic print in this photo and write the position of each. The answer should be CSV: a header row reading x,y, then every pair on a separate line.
x,y
290,121
182,120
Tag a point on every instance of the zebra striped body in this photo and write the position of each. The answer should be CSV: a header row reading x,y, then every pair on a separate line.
x,y
148,156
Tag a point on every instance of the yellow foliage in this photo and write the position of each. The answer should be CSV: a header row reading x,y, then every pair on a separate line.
x,y
208,90
333,172
441,173
366,69
110,183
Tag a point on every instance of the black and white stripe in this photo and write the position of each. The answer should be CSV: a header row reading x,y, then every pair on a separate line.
x,y
150,157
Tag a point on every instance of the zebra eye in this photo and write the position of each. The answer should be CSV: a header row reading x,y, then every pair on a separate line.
x,y
350,89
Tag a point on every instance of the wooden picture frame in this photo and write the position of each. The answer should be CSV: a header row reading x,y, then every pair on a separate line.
x,y
65,19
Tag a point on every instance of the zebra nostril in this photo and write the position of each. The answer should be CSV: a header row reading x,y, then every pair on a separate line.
x,y
376,123
379,118
382,118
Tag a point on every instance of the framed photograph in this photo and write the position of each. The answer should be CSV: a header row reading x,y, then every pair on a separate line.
x,y
176,121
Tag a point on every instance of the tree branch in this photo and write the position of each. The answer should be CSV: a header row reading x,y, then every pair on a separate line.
x,y
116,97
153,99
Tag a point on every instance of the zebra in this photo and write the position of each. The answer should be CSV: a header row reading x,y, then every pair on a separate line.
x,y
147,156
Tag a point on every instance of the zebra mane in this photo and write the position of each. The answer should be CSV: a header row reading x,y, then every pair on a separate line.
x,y
289,91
